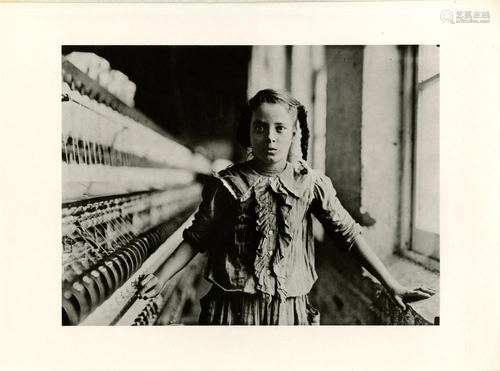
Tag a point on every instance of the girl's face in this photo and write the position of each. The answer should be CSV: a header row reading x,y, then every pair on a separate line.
x,y
271,133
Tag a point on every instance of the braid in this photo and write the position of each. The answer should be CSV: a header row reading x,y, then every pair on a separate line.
x,y
243,130
304,140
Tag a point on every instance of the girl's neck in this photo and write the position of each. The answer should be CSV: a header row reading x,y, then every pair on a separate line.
x,y
266,169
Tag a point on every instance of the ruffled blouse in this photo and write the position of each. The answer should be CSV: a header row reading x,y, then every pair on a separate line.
x,y
257,229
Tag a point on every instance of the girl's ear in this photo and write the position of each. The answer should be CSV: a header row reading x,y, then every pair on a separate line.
x,y
295,152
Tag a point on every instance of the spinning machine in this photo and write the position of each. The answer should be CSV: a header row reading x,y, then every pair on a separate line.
x,y
128,192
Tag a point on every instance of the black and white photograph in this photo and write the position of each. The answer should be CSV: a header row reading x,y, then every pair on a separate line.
x,y
249,186
239,185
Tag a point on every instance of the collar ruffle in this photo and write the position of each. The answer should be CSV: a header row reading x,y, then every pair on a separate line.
x,y
240,179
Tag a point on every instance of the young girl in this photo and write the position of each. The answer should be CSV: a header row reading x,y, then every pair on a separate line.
x,y
255,224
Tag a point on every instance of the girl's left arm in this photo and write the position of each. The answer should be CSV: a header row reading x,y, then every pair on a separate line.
x,y
340,225
399,293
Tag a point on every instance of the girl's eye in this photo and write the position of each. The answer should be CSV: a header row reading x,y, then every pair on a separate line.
x,y
279,129
259,127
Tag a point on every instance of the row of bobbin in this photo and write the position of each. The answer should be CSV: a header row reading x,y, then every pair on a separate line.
x,y
93,287
82,296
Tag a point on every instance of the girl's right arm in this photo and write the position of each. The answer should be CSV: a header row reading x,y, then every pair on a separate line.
x,y
152,284
197,235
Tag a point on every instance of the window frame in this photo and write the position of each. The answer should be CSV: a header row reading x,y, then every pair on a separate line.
x,y
417,244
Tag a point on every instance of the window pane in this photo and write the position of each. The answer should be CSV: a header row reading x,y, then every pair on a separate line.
x,y
427,159
428,61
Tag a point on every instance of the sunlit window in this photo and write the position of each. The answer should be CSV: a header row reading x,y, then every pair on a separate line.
x,y
425,234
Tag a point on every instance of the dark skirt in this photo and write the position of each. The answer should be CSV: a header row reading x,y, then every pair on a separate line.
x,y
221,307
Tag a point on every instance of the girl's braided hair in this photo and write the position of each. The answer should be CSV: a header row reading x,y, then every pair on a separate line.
x,y
274,97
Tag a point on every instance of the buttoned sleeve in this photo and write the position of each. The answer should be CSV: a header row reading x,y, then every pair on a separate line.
x,y
200,232
336,221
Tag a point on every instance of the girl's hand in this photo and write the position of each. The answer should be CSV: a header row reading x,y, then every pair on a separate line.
x,y
148,286
401,295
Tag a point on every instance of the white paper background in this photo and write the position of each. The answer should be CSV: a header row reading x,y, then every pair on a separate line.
x,y
31,337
